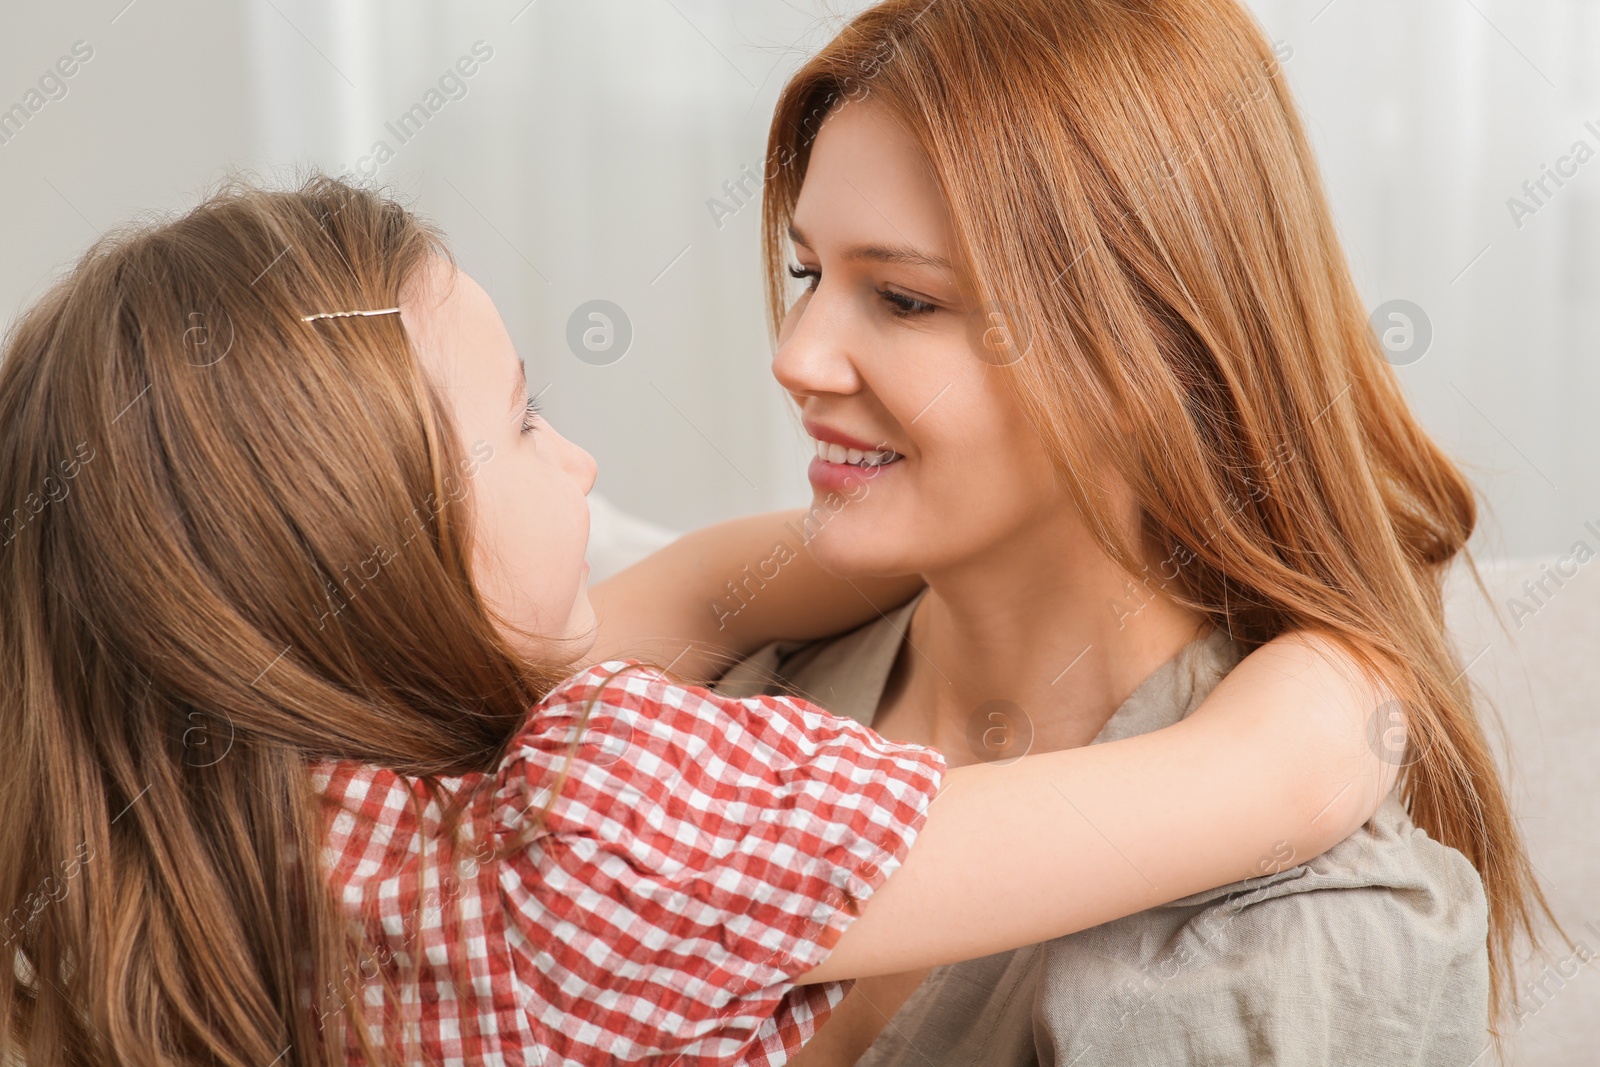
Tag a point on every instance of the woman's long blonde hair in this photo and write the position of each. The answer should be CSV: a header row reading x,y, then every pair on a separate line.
x,y
232,542
1135,198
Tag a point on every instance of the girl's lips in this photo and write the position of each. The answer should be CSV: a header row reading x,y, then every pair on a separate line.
x,y
842,477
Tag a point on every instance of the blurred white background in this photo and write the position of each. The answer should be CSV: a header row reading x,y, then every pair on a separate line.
x,y
580,162
582,158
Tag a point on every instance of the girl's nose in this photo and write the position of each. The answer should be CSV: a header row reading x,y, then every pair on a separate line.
x,y
577,462
584,468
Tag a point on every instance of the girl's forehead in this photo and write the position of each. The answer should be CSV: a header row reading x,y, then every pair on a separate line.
x,y
462,343
438,314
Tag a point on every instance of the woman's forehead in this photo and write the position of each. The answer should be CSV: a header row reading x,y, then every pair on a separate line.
x,y
868,183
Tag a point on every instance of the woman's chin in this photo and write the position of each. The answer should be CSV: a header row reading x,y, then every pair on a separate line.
x,y
858,550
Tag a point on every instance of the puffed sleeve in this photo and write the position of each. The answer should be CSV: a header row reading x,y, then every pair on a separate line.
x,y
696,854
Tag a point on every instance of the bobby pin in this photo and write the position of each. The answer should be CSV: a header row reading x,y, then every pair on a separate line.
x,y
347,314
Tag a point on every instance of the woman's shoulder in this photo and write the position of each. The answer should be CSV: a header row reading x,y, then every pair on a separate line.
x,y
1373,952
846,673
1388,852
1390,872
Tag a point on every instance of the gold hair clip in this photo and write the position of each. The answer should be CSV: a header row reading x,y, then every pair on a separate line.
x,y
347,314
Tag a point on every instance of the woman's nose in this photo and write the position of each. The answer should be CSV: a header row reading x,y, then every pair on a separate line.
x,y
813,354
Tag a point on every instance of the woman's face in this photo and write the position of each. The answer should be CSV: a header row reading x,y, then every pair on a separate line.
x,y
882,354
530,518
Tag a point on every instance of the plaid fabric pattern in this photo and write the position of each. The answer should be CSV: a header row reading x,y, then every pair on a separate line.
x,y
701,852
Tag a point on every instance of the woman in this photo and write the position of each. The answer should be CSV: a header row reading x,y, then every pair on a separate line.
x,y
1079,340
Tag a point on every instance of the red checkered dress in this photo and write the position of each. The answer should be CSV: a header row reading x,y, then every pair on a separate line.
x,y
701,853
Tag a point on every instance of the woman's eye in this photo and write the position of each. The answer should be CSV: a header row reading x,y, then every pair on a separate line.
x,y
812,277
530,415
904,306
900,305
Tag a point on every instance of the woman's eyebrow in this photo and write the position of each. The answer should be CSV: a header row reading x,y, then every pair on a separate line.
x,y
898,254
903,254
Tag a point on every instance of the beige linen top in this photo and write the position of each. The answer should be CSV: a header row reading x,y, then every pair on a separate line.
x,y
1372,953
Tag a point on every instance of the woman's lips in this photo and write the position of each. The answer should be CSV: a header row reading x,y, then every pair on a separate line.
x,y
832,467
829,435
841,477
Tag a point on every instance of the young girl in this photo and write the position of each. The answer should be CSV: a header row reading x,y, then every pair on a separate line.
x,y
322,754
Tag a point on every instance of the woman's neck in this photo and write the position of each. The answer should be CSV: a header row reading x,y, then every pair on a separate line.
x,y
1055,629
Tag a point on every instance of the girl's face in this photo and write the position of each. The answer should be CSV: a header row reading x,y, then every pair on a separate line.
x,y
531,522
882,354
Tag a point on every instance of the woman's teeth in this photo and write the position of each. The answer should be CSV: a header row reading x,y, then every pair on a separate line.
x,y
853,456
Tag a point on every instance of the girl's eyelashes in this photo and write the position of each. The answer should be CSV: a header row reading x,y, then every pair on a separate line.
x,y
530,415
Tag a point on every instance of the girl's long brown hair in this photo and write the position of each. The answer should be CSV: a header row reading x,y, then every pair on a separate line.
x,y
232,542
1134,195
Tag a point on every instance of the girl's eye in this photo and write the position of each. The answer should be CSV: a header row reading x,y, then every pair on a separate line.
x,y
530,415
905,307
813,276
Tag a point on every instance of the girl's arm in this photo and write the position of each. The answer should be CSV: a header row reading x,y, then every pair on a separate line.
x,y
1271,770
716,595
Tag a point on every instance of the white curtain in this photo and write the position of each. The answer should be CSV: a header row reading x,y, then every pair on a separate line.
x,y
580,164
577,161
583,160
1429,116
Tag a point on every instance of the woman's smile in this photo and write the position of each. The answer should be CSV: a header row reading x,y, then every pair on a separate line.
x,y
842,460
